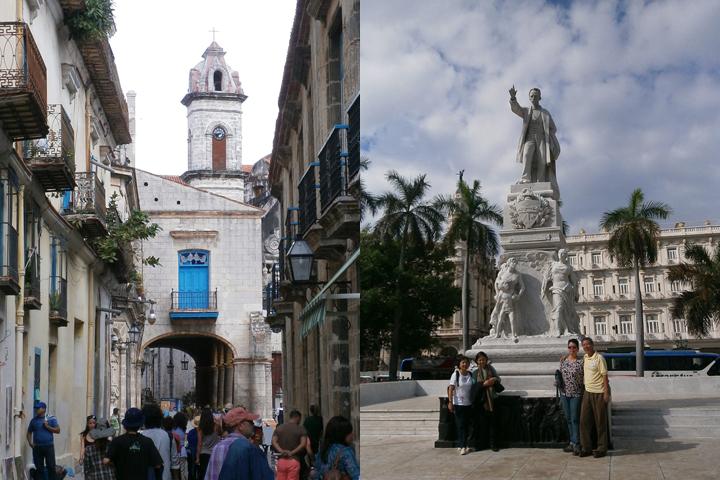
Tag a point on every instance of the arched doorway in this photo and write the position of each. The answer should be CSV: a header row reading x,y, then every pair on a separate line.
x,y
212,356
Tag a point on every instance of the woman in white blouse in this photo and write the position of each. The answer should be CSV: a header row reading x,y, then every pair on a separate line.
x,y
460,403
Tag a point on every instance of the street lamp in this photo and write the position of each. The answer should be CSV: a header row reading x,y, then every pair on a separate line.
x,y
134,334
151,316
184,362
301,261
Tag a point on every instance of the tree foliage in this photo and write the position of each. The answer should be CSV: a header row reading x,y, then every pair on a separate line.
x,y
121,234
634,230
699,306
427,294
93,22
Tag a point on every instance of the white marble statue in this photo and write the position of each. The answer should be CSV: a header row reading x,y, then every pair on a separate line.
x,y
561,289
509,287
538,147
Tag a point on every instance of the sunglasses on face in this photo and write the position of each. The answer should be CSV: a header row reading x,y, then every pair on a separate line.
x,y
572,347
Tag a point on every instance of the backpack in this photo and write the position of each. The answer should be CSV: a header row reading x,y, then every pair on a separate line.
x,y
334,473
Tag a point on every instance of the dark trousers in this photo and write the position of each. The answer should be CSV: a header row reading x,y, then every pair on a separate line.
x,y
463,416
204,461
484,428
192,468
593,412
44,460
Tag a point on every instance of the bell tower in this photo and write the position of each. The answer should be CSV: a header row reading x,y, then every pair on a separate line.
x,y
214,114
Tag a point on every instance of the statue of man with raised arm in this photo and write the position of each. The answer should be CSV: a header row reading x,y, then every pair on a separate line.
x,y
538,147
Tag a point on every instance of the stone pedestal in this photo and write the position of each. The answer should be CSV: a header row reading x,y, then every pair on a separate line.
x,y
525,355
532,234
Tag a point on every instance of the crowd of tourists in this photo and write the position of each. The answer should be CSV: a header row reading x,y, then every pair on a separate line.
x,y
231,444
584,393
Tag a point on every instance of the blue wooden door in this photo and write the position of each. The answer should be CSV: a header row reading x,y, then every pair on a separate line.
x,y
194,279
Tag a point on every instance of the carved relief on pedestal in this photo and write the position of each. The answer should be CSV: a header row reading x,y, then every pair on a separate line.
x,y
529,210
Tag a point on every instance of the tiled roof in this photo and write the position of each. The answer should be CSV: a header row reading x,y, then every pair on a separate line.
x,y
174,178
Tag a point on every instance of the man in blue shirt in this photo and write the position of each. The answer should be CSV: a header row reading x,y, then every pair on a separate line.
x,y
245,461
40,437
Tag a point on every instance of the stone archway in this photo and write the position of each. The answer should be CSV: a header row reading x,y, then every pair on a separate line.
x,y
214,366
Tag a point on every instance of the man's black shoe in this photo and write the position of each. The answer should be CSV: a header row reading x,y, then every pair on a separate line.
x,y
599,454
584,453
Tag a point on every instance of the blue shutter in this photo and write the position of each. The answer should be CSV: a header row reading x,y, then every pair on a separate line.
x,y
194,279
66,200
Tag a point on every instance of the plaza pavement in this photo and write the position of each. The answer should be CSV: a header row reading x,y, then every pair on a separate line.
x,y
410,457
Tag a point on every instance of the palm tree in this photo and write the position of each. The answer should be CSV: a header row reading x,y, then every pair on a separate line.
x,y
467,211
411,220
634,235
700,307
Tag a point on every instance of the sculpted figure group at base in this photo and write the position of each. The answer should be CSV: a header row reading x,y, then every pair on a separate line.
x,y
509,287
560,288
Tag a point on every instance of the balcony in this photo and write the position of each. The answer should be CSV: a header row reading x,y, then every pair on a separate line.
x,y
199,305
8,260
32,284
307,190
340,211
86,208
58,301
23,83
52,159
353,139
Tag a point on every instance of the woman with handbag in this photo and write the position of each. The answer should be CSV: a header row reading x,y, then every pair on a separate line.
x,y
336,459
460,402
570,386
484,403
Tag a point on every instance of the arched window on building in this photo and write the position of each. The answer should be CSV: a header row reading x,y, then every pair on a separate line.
x,y
219,149
217,80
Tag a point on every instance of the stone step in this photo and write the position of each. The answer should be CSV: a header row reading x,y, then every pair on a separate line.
x,y
668,420
675,412
657,431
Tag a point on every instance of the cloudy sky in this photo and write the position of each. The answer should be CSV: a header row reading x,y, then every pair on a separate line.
x,y
159,41
633,87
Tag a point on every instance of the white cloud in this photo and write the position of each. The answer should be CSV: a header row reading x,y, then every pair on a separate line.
x,y
158,42
634,88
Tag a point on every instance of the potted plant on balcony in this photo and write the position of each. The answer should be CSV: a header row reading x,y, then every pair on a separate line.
x,y
55,306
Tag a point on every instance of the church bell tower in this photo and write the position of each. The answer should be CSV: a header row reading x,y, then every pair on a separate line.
x,y
214,114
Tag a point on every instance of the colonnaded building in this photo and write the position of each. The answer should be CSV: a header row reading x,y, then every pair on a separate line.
x,y
607,293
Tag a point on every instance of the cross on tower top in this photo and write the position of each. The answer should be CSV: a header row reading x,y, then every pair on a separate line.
x,y
213,31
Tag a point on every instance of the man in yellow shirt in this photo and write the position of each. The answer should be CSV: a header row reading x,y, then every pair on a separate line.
x,y
594,402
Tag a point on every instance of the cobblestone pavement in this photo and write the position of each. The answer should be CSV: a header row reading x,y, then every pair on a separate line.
x,y
414,458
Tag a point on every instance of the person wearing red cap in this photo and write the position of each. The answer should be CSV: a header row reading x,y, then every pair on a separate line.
x,y
240,459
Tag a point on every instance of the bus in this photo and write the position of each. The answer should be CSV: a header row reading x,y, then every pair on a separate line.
x,y
666,363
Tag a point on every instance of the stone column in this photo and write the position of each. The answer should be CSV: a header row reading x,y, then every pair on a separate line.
x,y
340,364
221,378
121,379
228,393
241,382
214,378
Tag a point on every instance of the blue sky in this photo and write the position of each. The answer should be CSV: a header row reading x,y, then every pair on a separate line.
x,y
633,87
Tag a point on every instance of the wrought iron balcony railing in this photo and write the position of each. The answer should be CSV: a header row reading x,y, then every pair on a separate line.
x,y
353,139
58,300
199,301
32,283
272,290
52,159
87,205
23,83
333,175
8,260
307,195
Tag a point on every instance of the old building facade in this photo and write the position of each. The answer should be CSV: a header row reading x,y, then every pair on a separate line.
x,y
217,238
315,176
64,121
607,293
